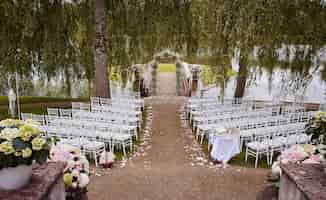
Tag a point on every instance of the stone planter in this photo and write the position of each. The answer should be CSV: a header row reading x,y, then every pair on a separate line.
x,y
76,194
16,177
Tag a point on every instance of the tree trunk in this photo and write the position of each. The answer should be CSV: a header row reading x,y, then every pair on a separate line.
x,y
102,86
242,78
90,93
67,82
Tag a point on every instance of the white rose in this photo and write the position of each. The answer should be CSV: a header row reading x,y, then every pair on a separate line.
x,y
276,169
84,180
74,185
9,133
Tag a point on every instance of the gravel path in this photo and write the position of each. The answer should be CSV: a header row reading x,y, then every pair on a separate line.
x,y
171,165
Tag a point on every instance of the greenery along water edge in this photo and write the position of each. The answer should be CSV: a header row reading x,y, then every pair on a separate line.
x,y
37,105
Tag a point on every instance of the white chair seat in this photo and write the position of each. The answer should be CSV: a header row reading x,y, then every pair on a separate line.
x,y
303,138
121,137
292,139
206,127
93,145
278,142
258,145
246,133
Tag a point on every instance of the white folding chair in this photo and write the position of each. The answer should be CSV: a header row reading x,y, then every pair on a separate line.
x,y
53,111
26,116
65,112
38,118
95,101
258,148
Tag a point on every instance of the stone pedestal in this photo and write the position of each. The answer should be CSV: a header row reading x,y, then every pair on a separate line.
x,y
303,182
46,184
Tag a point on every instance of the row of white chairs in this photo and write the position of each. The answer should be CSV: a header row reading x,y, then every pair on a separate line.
x,y
216,111
200,120
96,133
110,137
111,109
223,108
94,125
35,117
59,112
262,119
238,114
194,100
277,141
90,106
249,134
110,118
84,115
93,148
69,112
203,130
124,101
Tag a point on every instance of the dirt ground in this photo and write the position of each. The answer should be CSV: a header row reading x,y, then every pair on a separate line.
x,y
171,165
166,84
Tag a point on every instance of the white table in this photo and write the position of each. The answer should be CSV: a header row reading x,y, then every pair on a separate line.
x,y
225,146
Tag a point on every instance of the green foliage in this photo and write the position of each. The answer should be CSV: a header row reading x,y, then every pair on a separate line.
x,y
317,127
209,76
51,39
37,105
33,99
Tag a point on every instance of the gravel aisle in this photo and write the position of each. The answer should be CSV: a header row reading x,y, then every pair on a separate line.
x,y
170,165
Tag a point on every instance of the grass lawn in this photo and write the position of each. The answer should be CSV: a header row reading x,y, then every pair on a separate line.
x,y
166,67
37,105
32,99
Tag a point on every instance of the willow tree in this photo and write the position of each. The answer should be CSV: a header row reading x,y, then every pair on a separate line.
x,y
102,84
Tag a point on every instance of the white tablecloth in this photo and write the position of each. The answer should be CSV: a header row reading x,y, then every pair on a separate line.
x,y
225,146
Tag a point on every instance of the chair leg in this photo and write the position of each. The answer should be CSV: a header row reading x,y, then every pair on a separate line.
x,y
202,138
241,144
124,149
95,157
257,157
246,159
136,135
197,133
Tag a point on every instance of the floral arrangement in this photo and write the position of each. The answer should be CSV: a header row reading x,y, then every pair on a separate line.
x,y
107,159
21,143
300,154
11,123
76,172
317,127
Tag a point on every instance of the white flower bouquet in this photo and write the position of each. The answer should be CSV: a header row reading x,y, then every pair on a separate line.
x,y
76,173
22,144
